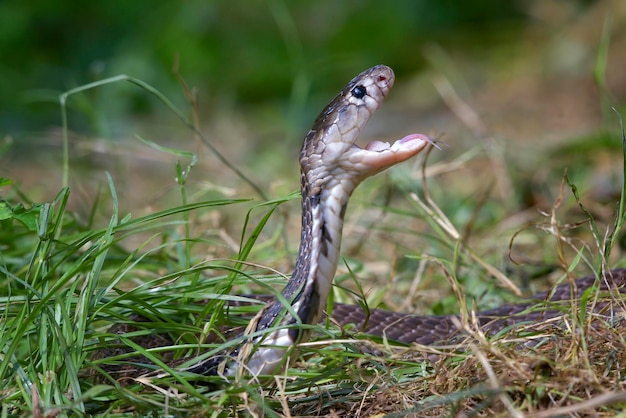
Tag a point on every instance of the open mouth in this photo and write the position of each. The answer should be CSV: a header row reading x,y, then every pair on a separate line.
x,y
406,142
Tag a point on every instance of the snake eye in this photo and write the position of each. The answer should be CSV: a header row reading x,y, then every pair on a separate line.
x,y
359,92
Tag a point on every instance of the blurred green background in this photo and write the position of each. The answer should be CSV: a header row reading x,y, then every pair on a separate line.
x,y
244,52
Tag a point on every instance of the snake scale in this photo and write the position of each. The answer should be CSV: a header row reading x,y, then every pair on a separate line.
x,y
332,166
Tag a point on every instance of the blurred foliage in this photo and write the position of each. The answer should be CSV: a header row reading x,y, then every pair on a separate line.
x,y
234,52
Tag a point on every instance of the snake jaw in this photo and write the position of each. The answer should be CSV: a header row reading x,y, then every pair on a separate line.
x,y
331,146
377,155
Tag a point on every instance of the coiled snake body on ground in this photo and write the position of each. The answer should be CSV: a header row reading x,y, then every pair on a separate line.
x,y
332,166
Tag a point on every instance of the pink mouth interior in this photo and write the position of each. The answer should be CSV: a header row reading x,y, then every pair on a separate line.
x,y
381,146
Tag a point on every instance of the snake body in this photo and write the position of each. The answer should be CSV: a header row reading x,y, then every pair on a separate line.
x,y
332,166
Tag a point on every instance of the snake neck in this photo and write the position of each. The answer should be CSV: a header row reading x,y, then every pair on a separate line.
x,y
322,223
323,211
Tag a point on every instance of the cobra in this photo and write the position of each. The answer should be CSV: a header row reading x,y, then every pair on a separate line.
x,y
332,166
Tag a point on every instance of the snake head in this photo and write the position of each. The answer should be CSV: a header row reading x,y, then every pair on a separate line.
x,y
330,148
